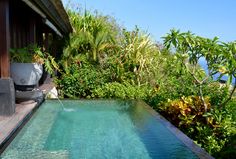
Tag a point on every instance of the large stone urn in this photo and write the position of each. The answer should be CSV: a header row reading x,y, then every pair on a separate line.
x,y
26,75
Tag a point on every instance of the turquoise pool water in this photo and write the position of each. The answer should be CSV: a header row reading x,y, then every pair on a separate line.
x,y
106,129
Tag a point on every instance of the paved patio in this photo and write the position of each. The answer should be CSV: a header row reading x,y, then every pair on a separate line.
x,y
8,124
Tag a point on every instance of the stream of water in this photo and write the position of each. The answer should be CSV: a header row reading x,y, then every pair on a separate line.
x,y
62,105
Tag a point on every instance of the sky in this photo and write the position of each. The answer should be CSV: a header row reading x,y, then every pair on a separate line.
x,y
207,18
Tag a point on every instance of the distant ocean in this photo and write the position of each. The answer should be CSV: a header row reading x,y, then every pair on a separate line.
x,y
203,64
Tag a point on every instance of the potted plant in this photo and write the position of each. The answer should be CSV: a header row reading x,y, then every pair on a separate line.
x,y
27,66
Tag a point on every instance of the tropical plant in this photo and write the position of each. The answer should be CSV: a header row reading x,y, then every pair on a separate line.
x,y
211,130
81,81
124,90
219,58
94,36
137,54
34,54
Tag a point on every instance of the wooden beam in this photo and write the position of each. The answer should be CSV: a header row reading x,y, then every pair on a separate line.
x,y
32,31
46,42
4,39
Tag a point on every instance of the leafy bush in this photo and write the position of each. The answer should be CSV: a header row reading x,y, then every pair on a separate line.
x,y
216,92
81,81
184,112
123,91
211,130
229,150
173,83
219,130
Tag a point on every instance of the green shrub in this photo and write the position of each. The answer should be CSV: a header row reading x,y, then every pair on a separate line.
x,y
211,130
229,150
216,92
123,91
184,112
81,81
174,87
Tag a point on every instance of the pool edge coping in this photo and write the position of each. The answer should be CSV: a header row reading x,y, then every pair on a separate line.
x,y
187,141
10,137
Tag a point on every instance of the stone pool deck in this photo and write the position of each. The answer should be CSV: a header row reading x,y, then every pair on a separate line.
x,y
10,124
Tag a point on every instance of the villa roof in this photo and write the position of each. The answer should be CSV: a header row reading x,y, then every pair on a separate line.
x,y
53,11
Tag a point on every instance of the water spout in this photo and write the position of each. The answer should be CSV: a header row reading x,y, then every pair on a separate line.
x,y
62,105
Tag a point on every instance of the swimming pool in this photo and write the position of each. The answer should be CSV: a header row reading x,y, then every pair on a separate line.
x,y
100,129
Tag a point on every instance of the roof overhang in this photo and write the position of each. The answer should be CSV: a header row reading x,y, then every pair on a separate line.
x,y
53,14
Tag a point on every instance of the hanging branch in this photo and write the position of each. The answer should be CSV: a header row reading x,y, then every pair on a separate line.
x,y
230,96
199,83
